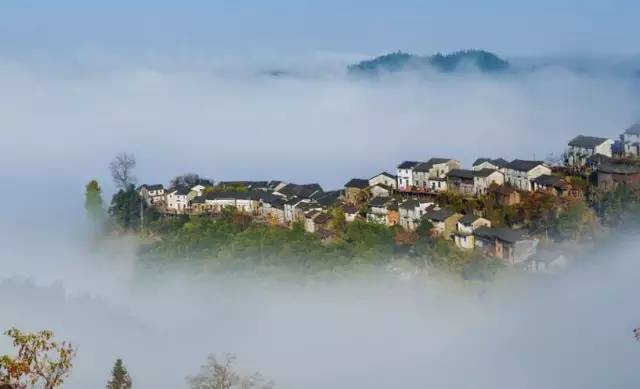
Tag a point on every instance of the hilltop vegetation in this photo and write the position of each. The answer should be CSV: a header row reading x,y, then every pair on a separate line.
x,y
484,61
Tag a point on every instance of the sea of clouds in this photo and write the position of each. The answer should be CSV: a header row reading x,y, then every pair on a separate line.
x,y
61,124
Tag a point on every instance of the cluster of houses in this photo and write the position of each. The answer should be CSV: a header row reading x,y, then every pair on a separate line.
x,y
409,197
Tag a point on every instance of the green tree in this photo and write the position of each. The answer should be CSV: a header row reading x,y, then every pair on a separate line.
x,y
125,208
120,378
93,202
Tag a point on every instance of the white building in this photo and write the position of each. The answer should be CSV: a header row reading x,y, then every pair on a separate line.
x,y
465,227
484,178
411,211
582,147
177,199
488,163
520,173
152,194
432,175
405,175
384,178
630,141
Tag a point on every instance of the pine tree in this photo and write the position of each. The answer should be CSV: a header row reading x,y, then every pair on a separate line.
x,y
93,202
120,378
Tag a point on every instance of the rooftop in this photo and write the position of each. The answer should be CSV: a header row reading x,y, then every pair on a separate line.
x,y
357,183
589,142
523,165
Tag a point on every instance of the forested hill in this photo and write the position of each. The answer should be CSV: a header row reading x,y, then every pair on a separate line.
x,y
395,62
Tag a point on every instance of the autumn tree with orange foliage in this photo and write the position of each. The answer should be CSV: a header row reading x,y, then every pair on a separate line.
x,y
40,361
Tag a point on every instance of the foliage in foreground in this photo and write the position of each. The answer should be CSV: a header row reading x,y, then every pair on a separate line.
x,y
41,362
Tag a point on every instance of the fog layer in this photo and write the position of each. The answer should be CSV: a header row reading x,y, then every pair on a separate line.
x,y
61,126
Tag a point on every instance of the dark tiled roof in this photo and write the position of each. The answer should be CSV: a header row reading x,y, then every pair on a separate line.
x,y
499,162
461,173
311,214
228,195
350,208
357,183
409,204
619,167
198,200
153,187
378,201
468,219
523,165
328,198
505,234
407,165
180,190
426,166
306,191
634,129
384,174
588,142
439,215
549,180
484,172
322,218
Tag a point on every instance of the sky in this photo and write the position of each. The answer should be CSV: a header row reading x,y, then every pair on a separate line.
x,y
30,27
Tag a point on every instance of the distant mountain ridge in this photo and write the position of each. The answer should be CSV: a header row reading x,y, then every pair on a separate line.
x,y
484,61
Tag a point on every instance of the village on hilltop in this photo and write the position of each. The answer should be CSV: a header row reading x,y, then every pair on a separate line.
x,y
414,195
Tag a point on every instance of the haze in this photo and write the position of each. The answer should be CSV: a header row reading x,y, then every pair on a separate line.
x,y
184,93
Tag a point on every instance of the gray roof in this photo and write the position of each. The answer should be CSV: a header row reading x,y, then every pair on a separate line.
x,y
410,204
484,172
408,164
502,233
180,190
619,167
468,218
328,198
589,142
378,201
384,174
357,183
153,187
426,166
634,129
499,162
523,165
461,173
439,215
198,200
228,195
549,180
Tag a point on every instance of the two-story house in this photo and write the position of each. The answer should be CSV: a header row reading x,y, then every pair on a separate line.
x,y
582,147
177,199
484,178
443,220
153,195
432,175
520,173
377,212
488,163
384,178
411,210
463,236
630,141
404,173
460,181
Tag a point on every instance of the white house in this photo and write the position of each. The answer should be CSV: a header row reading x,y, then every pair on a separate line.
x,y
630,141
384,178
432,175
177,199
242,201
380,190
152,194
483,178
405,174
350,212
463,236
582,147
488,163
411,210
520,173
198,190
377,212
290,208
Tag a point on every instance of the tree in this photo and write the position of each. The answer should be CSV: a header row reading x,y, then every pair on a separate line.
x,y
122,170
41,362
125,208
93,202
217,374
190,180
120,378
